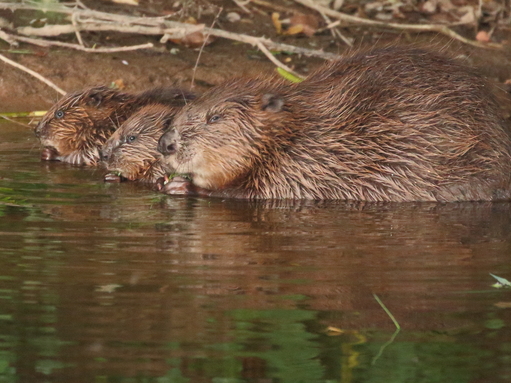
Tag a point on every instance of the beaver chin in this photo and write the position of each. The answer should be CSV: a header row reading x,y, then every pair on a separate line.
x,y
49,153
88,157
208,177
194,167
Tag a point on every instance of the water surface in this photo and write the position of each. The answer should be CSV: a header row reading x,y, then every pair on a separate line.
x,y
117,283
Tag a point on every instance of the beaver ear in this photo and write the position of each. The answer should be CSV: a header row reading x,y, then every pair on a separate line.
x,y
167,123
95,99
272,103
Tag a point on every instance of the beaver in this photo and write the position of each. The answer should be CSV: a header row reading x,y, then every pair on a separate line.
x,y
130,153
389,124
76,127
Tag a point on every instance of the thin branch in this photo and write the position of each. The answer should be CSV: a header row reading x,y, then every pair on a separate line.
x,y
31,72
272,58
174,33
270,5
147,25
48,43
77,32
273,45
14,121
62,29
336,32
242,4
206,38
87,13
8,38
442,29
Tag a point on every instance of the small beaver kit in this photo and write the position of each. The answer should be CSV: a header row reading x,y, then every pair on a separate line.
x,y
77,126
130,153
391,124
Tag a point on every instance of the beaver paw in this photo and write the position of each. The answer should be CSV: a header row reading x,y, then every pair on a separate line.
x,y
160,183
49,154
178,186
112,177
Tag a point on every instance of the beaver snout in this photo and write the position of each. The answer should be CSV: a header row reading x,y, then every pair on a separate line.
x,y
38,130
167,144
104,154
50,154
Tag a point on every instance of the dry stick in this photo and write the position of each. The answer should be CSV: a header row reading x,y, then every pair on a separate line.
x,y
48,43
158,22
442,29
272,58
192,84
273,45
77,32
267,4
335,31
31,72
87,13
8,38
242,5
62,29
178,31
14,122
337,4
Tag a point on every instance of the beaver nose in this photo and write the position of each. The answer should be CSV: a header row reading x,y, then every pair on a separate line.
x,y
104,155
37,130
167,144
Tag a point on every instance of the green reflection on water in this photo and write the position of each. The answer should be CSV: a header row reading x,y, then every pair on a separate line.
x,y
173,376
288,348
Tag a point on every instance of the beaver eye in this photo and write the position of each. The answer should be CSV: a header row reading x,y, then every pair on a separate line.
x,y
130,139
59,114
214,118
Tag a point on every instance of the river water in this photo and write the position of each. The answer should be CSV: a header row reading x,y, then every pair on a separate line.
x,y
118,283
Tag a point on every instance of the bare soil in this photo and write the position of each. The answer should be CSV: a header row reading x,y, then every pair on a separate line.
x,y
137,70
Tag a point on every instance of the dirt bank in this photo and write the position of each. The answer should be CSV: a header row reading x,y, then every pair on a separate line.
x,y
171,64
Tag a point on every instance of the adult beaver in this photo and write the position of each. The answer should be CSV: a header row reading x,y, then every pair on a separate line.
x,y
392,124
76,127
130,153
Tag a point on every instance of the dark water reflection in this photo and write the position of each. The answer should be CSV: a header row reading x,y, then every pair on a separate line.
x,y
115,283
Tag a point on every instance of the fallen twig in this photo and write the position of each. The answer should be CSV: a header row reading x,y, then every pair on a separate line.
x,y
270,5
31,72
206,38
48,43
102,21
272,58
8,38
174,33
442,29
14,121
242,4
332,26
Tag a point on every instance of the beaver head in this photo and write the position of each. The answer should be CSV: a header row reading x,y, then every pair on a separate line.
x,y
222,135
76,127
131,151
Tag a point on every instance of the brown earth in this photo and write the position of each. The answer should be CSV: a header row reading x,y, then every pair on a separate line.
x,y
136,70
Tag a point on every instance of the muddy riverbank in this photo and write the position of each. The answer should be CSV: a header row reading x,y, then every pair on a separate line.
x,y
177,65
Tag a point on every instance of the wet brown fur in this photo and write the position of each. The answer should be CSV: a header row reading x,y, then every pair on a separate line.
x,y
392,124
90,116
131,151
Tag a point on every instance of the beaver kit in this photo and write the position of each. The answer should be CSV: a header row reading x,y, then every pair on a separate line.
x,y
76,127
130,153
393,124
